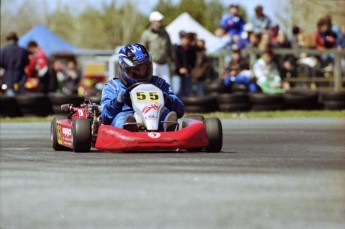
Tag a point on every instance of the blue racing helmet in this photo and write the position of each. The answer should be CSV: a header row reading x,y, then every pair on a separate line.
x,y
135,64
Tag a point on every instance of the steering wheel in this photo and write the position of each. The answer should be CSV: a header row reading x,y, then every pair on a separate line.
x,y
130,88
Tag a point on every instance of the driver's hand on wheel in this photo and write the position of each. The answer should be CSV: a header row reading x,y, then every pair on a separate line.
x,y
166,98
123,97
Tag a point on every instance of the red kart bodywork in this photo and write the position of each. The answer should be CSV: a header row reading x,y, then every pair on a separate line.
x,y
109,138
115,139
64,127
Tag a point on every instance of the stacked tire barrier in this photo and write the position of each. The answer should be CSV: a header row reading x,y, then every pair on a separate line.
x,y
35,104
237,101
333,101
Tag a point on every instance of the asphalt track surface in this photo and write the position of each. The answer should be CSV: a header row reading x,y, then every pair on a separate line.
x,y
272,173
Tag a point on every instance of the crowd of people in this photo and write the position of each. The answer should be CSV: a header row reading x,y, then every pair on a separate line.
x,y
270,70
30,70
185,65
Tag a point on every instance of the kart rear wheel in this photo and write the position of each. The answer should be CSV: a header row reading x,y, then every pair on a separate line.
x,y
81,133
214,133
53,137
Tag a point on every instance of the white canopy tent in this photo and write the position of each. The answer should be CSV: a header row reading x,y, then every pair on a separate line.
x,y
188,24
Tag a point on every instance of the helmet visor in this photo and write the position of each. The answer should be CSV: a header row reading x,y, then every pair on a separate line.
x,y
138,72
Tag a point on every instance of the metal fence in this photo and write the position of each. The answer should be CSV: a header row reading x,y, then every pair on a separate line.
x,y
331,79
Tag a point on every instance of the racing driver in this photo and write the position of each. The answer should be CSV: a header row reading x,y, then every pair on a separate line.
x,y
135,66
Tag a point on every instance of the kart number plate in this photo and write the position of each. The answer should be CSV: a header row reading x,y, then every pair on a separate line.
x,y
147,96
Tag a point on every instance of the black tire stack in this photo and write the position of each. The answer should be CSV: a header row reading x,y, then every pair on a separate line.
x,y
266,102
57,99
215,88
35,104
9,107
233,102
333,100
200,104
301,100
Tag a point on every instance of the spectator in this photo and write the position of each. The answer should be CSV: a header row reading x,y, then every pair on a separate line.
x,y
202,70
274,35
267,74
232,22
265,42
56,76
72,80
282,41
238,72
323,38
341,46
244,40
295,32
254,40
38,67
185,62
13,60
341,39
157,41
260,21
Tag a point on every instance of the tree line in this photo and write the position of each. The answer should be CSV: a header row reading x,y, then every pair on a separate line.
x,y
106,27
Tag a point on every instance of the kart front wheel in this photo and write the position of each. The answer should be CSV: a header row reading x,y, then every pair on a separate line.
x,y
53,136
214,133
81,133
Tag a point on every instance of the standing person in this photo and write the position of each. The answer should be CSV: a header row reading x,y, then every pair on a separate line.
x,y
261,21
72,79
38,66
13,60
156,39
202,70
232,22
185,62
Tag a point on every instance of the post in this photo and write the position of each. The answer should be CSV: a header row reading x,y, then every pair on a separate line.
x,y
337,72
221,65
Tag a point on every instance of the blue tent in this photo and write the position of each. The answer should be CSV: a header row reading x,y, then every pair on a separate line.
x,y
47,40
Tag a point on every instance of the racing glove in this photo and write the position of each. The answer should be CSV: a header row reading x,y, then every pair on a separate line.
x,y
123,97
167,100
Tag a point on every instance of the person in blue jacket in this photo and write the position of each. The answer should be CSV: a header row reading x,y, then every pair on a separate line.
x,y
135,65
232,22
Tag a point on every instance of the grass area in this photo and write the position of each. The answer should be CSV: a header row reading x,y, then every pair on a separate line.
x,y
263,114
278,114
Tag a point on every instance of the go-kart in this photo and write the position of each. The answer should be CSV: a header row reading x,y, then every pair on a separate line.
x,y
83,128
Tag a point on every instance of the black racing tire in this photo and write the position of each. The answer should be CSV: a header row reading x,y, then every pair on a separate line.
x,y
333,96
334,105
230,107
81,134
198,109
196,117
261,98
9,107
35,104
233,98
195,150
268,107
214,133
53,136
199,100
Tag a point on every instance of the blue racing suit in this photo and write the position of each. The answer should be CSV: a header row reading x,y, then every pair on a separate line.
x,y
114,113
